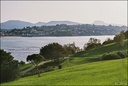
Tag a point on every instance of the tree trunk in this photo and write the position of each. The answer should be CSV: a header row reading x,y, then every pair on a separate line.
x,y
38,70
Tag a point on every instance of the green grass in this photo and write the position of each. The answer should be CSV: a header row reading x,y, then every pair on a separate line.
x,y
26,66
102,49
94,54
84,68
110,72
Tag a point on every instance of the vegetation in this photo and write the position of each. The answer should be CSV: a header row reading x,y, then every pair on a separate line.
x,y
92,43
126,34
25,66
119,39
94,55
110,56
121,54
108,41
21,63
9,69
115,55
53,51
71,49
65,30
35,59
112,72
82,68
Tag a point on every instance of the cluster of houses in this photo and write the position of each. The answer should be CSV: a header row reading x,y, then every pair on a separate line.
x,y
65,30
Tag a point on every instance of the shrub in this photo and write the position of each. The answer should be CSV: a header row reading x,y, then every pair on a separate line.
x,y
21,63
108,41
9,69
60,66
48,69
110,56
121,54
34,72
127,53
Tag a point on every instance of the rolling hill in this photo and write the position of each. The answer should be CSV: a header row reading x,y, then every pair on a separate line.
x,y
11,24
84,69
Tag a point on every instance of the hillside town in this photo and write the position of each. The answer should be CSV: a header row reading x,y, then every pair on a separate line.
x,y
64,30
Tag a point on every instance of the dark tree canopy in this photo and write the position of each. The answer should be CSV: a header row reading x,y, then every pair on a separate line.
x,y
9,67
35,59
52,51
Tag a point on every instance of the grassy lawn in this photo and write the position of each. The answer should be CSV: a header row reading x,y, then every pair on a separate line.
x,y
94,54
110,72
84,68
26,66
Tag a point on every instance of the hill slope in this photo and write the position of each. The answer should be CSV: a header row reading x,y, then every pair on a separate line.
x,y
84,71
112,72
94,54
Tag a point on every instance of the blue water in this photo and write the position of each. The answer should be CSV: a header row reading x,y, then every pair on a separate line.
x,y
21,47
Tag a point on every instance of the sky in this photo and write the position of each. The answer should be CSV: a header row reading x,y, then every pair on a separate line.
x,y
77,11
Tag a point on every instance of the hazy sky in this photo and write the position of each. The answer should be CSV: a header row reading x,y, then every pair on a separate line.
x,y
77,11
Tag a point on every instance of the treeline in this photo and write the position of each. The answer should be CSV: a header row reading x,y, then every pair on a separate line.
x,y
54,53
65,30
9,68
119,39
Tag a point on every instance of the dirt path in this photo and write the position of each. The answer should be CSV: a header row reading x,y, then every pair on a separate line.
x,y
38,64
33,67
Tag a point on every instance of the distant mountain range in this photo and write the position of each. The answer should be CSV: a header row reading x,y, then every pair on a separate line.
x,y
104,23
11,24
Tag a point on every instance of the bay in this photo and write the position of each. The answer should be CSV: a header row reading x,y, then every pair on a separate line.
x,y
21,47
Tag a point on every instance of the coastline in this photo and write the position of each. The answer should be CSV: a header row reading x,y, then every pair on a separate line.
x,y
9,36
55,36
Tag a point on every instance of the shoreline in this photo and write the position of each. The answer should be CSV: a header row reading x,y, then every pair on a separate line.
x,y
55,36
9,36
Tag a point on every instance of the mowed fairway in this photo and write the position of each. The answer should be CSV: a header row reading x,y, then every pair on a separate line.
x,y
110,72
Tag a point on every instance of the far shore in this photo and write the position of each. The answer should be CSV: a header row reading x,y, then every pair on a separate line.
x,y
10,36
55,36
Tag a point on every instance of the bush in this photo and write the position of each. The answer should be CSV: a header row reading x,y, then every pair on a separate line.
x,y
21,63
9,69
60,66
127,53
34,72
110,56
121,54
91,46
108,42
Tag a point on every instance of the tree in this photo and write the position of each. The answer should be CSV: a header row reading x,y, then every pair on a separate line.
x,y
71,48
35,59
9,68
92,43
52,51
126,34
108,41
119,39
21,63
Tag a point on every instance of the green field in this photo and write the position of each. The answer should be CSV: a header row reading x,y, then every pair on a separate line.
x,y
85,68
109,72
94,54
